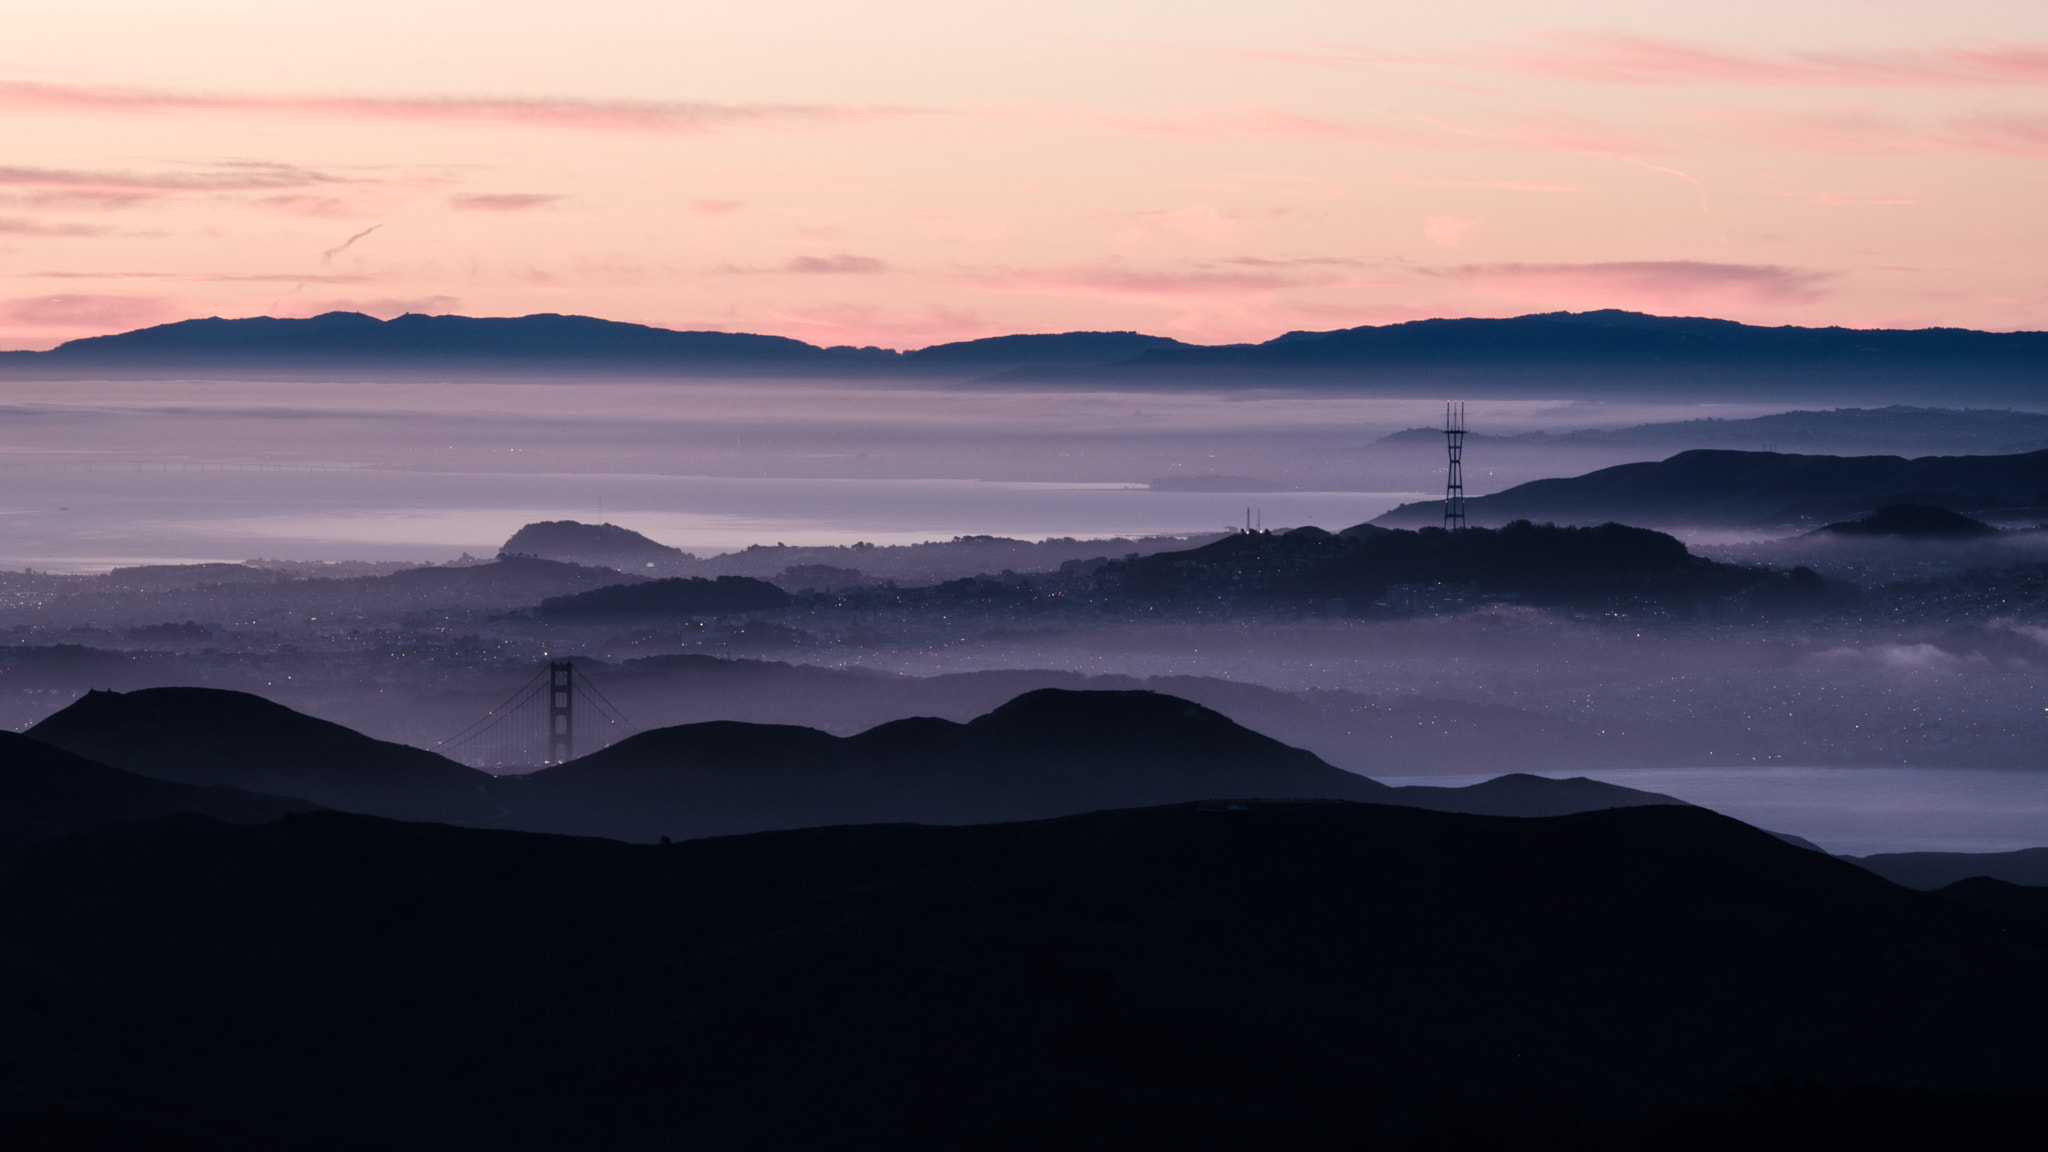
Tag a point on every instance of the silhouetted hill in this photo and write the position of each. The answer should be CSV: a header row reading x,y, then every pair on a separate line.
x,y
206,736
1706,487
1931,870
1046,753
677,595
604,545
1301,976
1605,350
1521,794
1538,563
1923,521
1049,350
2023,906
356,338
46,791
1049,752
570,342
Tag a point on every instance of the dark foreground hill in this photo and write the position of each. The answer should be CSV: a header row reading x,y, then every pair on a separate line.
x,y
1047,753
1535,563
1704,488
47,792
1050,752
207,736
1931,870
1204,976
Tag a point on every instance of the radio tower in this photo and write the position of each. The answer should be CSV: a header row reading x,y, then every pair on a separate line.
x,y
1454,480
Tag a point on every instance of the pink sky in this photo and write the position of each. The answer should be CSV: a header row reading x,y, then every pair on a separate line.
x,y
904,172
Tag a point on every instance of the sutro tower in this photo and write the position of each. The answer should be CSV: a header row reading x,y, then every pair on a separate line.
x,y
1454,480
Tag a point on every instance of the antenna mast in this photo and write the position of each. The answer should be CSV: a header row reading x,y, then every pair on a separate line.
x,y
1454,480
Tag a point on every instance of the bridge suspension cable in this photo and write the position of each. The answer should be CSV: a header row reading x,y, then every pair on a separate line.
x,y
540,724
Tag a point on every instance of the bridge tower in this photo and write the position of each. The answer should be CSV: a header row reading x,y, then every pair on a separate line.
x,y
1454,480
561,711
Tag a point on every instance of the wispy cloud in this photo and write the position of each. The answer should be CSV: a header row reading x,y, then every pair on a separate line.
x,y
502,202
233,177
540,111
328,256
1166,285
21,226
1447,231
211,277
1644,284
382,307
1636,60
1239,123
1501,185
839,264
84,311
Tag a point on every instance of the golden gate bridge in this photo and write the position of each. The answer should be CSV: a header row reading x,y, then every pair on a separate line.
x,y
548,720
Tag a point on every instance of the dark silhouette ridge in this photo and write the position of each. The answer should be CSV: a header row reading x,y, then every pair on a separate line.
x,y
676,595
1923,521
207,736
1287,975
1538,563
1045,753
46,792
1050,752
1930,870
1051,350
1591,351
2022,906
1707,487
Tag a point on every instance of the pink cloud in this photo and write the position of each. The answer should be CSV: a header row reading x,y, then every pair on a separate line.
x,y
1645,285
1862,131
382,307
554,112
841,263
324,207
211,277
237,177
1447,231
1245,123
503,202
19,226
1643,61
1157,287
1502,185
866,325
101,313
1204,222
714,207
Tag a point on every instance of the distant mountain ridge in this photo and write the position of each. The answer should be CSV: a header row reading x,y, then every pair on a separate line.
x,y
1600,350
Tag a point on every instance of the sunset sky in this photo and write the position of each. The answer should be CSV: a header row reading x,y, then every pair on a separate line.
x,y
905,172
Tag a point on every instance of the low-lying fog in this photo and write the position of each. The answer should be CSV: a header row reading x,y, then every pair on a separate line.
x,y
99,474
1934,666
